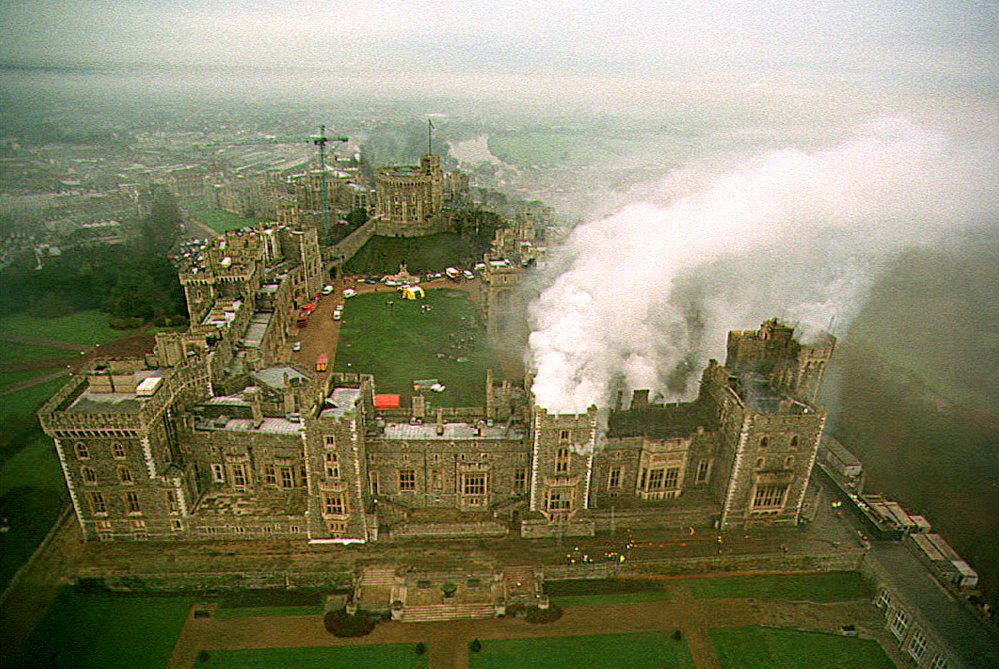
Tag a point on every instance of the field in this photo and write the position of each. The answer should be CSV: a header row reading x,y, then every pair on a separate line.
x,y
400,343
826,587
643,650
383,656
220,220
103,631
382,255
768,648
81,327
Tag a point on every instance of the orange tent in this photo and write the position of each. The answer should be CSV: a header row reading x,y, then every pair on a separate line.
x,y
387,401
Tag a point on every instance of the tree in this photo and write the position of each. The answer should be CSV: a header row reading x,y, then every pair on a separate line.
x,y
159,230
475,646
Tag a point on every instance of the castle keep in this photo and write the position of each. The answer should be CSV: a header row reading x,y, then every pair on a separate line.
x,y
217,435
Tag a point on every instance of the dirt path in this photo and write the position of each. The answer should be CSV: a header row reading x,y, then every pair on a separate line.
x,y
42,341
448,641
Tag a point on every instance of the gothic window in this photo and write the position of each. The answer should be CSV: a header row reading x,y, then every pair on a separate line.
x,y
655,479
917,645
239,474
794,441
763,443
124,475
900,623
332,466
760,462
884,599
333,504
407,480
789,462
672,479
171,500
559,501
218,473
769,496
519,480
563,435
118,449
132,503
329,440
614,480
303,478
373,479
97,504
89,475
475,483
287,478
562,461
176,524
702,471
82,452
270,475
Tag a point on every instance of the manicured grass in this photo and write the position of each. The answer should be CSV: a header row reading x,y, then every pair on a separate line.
x,y
81,327
827,587
604,591
220,220
379,656
105,631
643,650
432,253
399,343
769,648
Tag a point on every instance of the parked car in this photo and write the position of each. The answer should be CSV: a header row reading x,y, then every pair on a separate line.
x,y
327,289
350,292
297,346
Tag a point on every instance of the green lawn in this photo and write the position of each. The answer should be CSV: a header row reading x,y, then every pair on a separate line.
x,y
10,378
105,631
81,327
604,591
643,650
12,351
17,413
259,611
379,656
827,587
769,648
220,220
32,493
399,343
432,253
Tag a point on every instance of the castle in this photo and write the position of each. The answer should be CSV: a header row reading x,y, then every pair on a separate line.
x,y
216,434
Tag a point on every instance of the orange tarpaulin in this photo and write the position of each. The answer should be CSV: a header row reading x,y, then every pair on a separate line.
x,y
387,401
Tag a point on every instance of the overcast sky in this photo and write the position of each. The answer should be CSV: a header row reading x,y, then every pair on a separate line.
x,y
948,41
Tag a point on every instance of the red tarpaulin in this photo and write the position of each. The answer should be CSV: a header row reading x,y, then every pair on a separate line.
x,y
387,401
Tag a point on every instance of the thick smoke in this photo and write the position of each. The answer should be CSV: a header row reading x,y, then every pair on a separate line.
x,y
642,298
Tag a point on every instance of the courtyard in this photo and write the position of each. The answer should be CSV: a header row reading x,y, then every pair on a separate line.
x,y
441,337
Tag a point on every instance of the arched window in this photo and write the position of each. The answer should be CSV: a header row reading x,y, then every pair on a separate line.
x,y
562,461
789,462
764,442
759,463
89,475
794,441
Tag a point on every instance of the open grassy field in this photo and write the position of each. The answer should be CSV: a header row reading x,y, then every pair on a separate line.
x,y
604,591
400,343
105,631
380,656
828,587
382,255
12,351
17,414
81,327
768,648
220,220
642,650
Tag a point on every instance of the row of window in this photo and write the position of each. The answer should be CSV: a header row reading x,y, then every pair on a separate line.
x,y
765,442
284,476
89,476
761,463
769,497
900,621
83,451
472,483
130,500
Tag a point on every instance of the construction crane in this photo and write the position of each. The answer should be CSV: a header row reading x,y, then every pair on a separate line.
x,y
320,141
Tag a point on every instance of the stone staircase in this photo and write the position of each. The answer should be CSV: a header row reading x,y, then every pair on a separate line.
x,y
524,576
437,612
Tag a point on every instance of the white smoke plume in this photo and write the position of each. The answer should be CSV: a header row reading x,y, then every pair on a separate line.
x,y
643,297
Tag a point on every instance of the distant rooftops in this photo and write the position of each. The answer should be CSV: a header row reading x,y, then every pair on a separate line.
x,y
452,431
340,401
